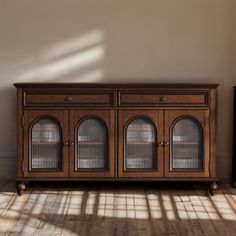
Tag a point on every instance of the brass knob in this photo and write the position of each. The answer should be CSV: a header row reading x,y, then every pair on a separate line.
x,y
163,99
72,143
68,99
160,144
166,144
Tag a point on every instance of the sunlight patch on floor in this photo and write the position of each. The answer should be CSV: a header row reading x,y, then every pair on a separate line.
x,y
75,203
154,205
125,205
106,205
40,209
223,207
90,206
169,210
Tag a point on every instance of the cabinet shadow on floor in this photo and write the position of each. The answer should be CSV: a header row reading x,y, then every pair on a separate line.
x,y
201,188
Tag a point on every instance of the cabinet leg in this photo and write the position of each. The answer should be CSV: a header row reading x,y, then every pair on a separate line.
x,y
21,187
212,188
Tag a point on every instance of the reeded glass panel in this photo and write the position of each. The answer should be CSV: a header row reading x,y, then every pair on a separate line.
x,y
92,144
187,145
140,144
46,148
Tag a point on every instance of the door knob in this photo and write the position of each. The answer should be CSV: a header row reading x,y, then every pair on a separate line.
x,y
66,143
166,144
160,144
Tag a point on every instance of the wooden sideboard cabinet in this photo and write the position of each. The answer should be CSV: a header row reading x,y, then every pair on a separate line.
x,y
234,141
116,132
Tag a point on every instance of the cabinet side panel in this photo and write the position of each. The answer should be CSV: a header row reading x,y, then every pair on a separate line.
x,y
213,121
234,141
120,142
19,135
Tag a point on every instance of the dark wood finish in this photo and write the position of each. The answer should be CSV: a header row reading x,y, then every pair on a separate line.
x,y
125,117
202,116
157,98
115,104
21,187
234,141
64,98
123,179
76,117
30,117
20,137
125,86
212,127
212,188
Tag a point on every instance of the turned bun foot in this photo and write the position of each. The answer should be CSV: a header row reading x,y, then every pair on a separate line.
x,y
21,187
212,188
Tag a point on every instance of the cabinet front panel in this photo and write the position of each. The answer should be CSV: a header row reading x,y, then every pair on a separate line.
x,y
44,153
186,145
140,132
68,98
92,135
154,98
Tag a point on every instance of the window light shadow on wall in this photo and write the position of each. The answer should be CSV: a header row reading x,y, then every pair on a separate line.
x,y
77,59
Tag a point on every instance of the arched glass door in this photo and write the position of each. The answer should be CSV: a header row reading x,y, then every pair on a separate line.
x,y
140,144
187,144
92,146
45,145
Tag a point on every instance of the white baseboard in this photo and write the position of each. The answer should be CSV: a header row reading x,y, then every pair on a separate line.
x,y
7,165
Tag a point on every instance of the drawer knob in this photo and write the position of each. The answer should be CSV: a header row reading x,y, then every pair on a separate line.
x,y
68,99
163,99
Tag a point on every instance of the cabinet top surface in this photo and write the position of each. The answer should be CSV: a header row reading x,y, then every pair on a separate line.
x,y
114,86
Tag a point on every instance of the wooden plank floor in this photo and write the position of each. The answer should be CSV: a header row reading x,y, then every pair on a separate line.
x,y
117,209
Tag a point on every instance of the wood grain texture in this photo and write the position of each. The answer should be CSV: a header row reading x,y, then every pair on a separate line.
x,y
212,127
70,103
65,98
125,117
104,210
234,142
159,98
101,86
31,116
76,118
202,116
20,138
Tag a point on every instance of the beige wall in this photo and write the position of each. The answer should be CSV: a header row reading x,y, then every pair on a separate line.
x,y
118,41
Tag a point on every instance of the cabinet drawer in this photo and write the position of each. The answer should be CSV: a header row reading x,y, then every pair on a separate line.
x,y
153,98
68,98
